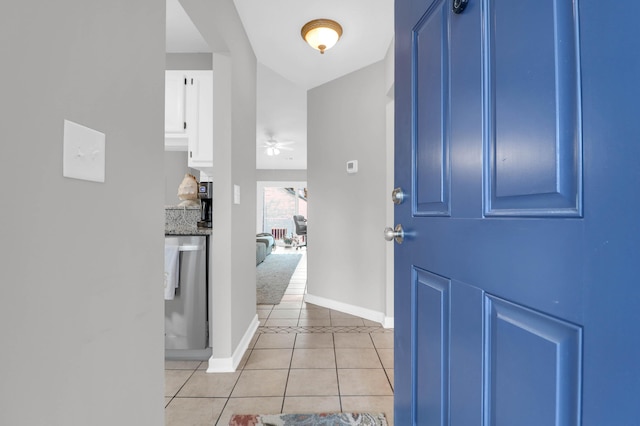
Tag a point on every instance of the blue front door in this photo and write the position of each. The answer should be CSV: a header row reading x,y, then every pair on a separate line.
x,y
517,146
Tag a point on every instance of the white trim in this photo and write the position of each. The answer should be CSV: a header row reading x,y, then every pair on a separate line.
x,y
229,365
175,144
389,209
388,322
371,315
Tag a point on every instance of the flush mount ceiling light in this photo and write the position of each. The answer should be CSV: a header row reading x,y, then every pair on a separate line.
x,y
321,34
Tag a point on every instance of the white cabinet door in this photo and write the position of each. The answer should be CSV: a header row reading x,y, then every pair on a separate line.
x,y
201,144
175,98
189,116
180,114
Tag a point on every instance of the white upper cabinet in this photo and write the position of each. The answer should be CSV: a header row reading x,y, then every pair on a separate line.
x,y
201,144
175,99
189,116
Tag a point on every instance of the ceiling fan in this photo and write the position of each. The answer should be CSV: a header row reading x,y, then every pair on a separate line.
x,y
273,147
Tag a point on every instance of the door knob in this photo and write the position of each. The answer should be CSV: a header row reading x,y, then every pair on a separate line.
x,y
397,234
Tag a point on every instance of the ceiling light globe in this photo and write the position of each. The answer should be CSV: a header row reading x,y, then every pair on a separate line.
x,y
322,38
321,34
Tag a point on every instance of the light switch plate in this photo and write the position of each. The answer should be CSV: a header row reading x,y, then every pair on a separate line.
x,y
83,153
352,166
236,194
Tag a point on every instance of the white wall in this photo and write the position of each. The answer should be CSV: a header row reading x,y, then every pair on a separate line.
x,y
81,262
347,212
233,297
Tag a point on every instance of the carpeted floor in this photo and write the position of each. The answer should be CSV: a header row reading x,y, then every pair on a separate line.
x,y
325,419
272,277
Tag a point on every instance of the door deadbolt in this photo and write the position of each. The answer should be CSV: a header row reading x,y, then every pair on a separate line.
x,y
459,5
397,196
397,234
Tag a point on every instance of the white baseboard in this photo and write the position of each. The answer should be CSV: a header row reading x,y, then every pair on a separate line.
x,y
388,322
229,365
371,315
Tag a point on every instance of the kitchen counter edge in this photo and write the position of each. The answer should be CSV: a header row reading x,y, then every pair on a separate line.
x,y
193,232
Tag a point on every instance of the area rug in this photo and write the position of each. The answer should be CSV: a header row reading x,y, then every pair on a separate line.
x,y
323,419
273,276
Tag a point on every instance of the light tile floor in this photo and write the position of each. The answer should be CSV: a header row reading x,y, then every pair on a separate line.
x,y
303,358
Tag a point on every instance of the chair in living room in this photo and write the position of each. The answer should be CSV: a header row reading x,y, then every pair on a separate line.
x,y
301,228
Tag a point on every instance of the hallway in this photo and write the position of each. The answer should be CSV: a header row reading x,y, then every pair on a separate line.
x,y
303,358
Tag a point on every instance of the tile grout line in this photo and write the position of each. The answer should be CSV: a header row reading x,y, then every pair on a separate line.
x,y
226,402
284,396
382,363
335,358
185,382
228,398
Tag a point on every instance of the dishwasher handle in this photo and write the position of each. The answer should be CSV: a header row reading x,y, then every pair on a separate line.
x,y
190,247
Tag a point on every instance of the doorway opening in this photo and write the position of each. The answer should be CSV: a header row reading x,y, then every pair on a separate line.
x,y
277,203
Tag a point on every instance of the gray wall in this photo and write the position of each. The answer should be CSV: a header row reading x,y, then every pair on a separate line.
x,y
188,61
346,121
81,308
233,241
281,114
281,175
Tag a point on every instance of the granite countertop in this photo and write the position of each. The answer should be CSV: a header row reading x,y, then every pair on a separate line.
x,y
175,207
189,231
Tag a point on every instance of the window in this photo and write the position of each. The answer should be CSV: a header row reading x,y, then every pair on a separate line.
x,y
280,205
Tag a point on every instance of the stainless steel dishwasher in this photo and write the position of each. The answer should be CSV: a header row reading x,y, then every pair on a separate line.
x,y
185,316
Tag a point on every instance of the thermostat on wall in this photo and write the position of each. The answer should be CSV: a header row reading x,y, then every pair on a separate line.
x,y
352,166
